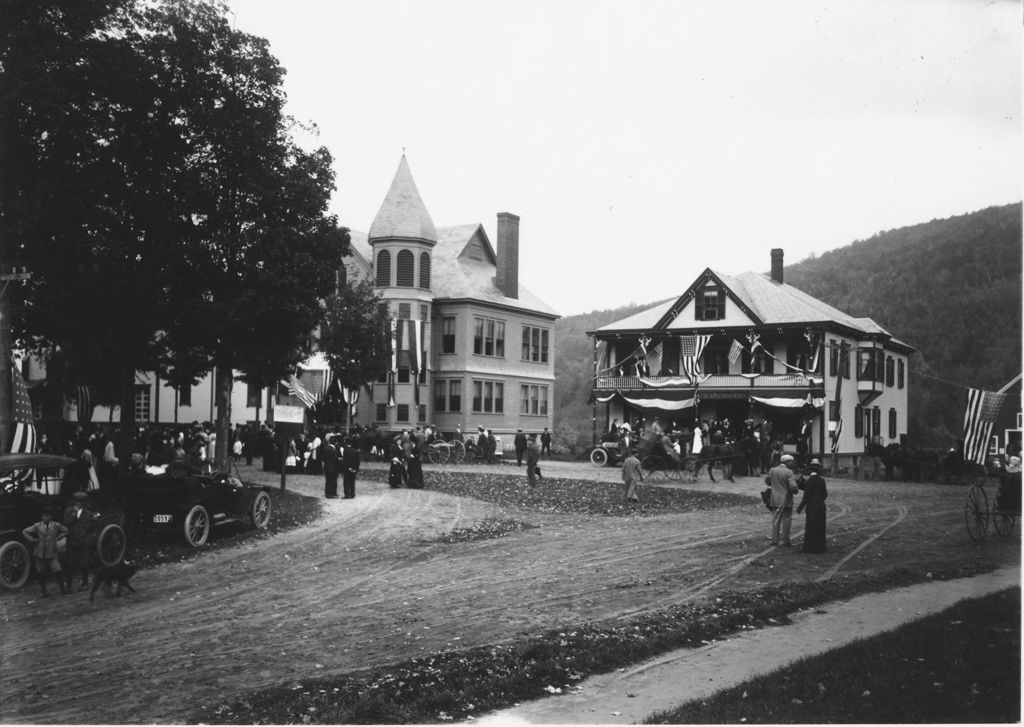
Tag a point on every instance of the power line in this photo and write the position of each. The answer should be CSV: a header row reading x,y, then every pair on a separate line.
x,y
939,378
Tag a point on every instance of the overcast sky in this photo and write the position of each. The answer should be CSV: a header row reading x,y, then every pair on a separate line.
x,y
642,142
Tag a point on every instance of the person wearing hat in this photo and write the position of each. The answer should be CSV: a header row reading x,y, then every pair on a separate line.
x,y
81,524
631,475
783,483
813,501
519,443
45,538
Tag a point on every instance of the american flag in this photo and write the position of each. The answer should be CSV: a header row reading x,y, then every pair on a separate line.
x,y
296,389
85,397
690,349
735,350
982,410
23,436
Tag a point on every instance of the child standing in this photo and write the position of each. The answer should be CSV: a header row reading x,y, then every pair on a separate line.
x,y
45,549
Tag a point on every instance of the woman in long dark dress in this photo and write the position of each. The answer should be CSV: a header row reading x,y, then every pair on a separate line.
x,y
813,501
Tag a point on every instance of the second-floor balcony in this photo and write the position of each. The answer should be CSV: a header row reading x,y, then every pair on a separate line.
x,y
712,381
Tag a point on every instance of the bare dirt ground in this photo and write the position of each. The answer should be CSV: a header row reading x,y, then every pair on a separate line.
x,y
363,587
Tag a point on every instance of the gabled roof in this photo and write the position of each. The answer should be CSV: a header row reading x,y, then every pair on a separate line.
x,y
402,213
769,302
459,276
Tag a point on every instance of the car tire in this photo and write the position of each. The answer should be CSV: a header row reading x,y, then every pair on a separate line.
x,y
259,513
197,526
599,457
111,544
15,564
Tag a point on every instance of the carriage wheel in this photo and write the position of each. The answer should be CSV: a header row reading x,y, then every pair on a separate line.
x,y
598,457
1004,522
976,514
259,513
434,455
14,564
111,544
653,467
197,526
458,453
674,471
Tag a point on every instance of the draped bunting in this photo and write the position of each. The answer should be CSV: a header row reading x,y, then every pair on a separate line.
x,y
666,404
788,403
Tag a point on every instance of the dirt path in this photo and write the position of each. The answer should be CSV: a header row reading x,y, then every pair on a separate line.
x,y
364,587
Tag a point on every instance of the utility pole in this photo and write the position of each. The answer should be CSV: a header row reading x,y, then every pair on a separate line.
x,y
6,357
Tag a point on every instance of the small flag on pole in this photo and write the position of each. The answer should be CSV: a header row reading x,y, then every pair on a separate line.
x,y
982,410
735,350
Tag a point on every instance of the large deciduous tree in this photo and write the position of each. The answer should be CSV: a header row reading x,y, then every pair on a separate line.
x,y
354,334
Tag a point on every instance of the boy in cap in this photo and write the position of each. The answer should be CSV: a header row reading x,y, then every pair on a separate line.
x,y
783,483
44,536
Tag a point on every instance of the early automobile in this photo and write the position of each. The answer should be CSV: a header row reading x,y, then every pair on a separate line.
x,y
191,503
25,481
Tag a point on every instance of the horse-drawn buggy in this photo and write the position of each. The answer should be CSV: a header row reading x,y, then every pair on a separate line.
x,y
30,482
192,503
1002,510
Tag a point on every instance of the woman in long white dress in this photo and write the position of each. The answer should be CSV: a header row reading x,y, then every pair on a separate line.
x,y
698,440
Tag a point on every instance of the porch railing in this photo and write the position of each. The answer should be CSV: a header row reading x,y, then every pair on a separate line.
x,y
715,381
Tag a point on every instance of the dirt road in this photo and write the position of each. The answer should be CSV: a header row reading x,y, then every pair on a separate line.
x,y
364,586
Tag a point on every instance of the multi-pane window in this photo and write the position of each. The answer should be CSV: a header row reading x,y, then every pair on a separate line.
x,y
142,403
421,414
489,337
901,373
440,395
405,311
384,267
185,395
455,396
892,424
533,400
488,397
404,269
536,342
425,270
833,357
403,371
890,371
448,334
403,413
876,422
833,411
381,413
424,312
710,304
858,421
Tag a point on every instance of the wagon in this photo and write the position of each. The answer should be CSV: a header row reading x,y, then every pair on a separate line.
x,y
1001,510
21,505
191,503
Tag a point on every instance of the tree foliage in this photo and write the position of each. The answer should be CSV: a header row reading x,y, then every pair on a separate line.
x,y
354,334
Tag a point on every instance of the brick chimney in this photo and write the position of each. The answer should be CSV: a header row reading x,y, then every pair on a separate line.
x,y
777,264
507,275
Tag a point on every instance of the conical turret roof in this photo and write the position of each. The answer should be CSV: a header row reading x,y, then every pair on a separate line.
x,y
403,214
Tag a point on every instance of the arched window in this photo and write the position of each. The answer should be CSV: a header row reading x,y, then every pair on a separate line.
x,y
384,268
404,269
425,270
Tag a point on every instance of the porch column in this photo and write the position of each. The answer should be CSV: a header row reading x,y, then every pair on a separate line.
x,y
593,398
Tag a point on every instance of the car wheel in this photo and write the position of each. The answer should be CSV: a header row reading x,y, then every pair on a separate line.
x,y
14,564
259,514
110,545
197,526
599,457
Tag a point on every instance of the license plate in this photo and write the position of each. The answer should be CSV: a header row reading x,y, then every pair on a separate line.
x,y
161,518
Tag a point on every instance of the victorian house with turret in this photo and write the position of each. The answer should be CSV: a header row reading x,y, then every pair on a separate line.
x,y
472,345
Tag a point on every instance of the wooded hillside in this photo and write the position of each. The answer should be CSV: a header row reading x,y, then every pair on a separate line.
x,y
951,288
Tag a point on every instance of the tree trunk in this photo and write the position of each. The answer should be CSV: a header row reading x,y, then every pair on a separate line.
x,y
126,442
224,383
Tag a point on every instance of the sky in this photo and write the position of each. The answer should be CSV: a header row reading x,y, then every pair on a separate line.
x,y
643,142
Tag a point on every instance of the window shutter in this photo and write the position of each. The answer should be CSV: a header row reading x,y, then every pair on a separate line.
x,y
425,270
384,268
404,269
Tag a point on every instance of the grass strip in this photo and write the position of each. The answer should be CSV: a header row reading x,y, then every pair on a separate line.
x,y
456,685
960,665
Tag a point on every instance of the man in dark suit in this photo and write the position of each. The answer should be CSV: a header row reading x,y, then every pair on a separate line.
x,y
329,455
349,469
520,445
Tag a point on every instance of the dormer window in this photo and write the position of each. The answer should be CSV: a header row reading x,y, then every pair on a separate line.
x,y
710,304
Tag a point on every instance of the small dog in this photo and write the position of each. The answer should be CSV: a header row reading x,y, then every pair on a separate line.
x,y
110,575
